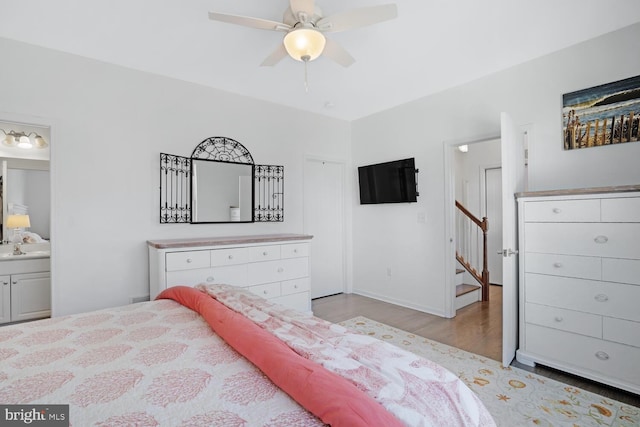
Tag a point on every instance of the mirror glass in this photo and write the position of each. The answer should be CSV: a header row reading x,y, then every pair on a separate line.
x,y
221,191
25,190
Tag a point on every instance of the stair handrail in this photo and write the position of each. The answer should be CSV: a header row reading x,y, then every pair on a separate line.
x,y
484,226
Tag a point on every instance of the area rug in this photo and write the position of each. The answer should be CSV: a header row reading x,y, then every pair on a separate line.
x,y
514,396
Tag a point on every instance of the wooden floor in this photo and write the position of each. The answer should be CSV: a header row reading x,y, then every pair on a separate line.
x,y
476,328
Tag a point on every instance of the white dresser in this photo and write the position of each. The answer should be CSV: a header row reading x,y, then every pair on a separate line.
x,y
274,266
580,283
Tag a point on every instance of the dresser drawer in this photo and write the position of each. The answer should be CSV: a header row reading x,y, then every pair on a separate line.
x,y
268,291
235,275
602,358
299,301
294,250
277,271
621,209
589,239
187,260
590,296
264,253
232,256
565,320
294,286
564,265
622,331
562,211
621,270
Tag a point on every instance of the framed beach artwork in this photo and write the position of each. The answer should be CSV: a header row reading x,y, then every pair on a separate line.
x,y
602,115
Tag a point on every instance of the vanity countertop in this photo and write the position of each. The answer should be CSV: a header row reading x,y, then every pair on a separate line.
x,y
225,240
30,251
9,256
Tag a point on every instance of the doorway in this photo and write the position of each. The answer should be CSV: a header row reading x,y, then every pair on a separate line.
x,y
324,219
513,141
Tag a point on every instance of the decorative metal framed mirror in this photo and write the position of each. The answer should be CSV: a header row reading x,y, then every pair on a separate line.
x,y
219,183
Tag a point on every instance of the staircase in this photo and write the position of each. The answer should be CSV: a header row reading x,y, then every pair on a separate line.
x,y
466,294
471,253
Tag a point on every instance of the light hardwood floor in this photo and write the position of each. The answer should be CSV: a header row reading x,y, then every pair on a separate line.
x,y
476,328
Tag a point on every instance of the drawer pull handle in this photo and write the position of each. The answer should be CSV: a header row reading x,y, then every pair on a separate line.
x,y
230,256
295,251
280,270
602,355
189,260
558,319
557,210
210,279
601,298
265,292
601,239
557,264
265,253
295,286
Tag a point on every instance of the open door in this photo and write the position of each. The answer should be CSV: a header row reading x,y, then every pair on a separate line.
x,y
512,146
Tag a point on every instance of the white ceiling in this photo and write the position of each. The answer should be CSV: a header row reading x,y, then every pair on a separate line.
x,y
432,45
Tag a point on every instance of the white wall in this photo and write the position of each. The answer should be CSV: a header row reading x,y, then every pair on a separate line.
x,y
389,236
109,125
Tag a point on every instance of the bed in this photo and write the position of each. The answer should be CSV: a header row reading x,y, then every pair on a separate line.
x,y
218,355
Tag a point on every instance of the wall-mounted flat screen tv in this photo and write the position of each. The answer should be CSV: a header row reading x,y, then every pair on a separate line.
x,y
390,182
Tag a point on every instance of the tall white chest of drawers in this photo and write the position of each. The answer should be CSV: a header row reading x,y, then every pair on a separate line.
x,y
274,266
580,283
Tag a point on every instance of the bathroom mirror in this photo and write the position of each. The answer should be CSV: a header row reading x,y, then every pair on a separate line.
x,y
221,191
25,189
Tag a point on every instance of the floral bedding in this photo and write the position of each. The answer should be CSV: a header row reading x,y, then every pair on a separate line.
x,y
160,364
148,364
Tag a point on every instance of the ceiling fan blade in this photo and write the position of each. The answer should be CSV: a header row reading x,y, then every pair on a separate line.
x,y
246,21
356,18
336,53
306,7
276,56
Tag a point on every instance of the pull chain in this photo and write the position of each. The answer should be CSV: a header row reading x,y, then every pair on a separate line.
x,y
305,59
306,82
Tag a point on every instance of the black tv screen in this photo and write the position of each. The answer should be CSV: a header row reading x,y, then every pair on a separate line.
x,y
390,182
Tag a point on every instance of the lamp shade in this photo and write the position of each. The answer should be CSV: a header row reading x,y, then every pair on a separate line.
x,y
304,44
18,221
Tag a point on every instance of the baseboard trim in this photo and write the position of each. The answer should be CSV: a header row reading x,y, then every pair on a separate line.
x,y
407,304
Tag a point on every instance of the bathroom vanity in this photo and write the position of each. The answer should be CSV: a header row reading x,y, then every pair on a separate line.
x,y
25,283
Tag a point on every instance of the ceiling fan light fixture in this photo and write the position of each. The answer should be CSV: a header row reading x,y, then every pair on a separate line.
x,y
304,44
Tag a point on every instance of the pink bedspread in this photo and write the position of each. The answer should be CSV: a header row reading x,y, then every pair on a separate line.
x,y
416,391
148,364
334,399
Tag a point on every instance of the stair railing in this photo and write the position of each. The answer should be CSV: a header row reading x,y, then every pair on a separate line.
x,y
469,231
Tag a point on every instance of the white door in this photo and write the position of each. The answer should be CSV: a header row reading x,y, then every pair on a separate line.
x,y
493,211
324,219
512,182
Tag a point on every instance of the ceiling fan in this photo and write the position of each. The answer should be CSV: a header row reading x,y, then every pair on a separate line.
x,y
305,26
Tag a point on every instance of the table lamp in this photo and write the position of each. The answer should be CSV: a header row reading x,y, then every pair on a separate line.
x,y
16,222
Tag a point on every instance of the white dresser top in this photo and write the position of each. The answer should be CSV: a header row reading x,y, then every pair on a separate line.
x,y
225,240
